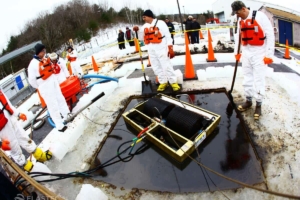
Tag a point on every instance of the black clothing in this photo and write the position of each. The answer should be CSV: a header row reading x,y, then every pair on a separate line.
x,y
121,40
189,26
196,26
171,29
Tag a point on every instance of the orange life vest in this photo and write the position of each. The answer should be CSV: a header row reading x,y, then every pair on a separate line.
x,y
56,68
71,59
152,35
251,32
3,119
45,69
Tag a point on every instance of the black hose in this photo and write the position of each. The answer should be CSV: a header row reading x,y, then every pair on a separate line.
x,y
140,150
35,120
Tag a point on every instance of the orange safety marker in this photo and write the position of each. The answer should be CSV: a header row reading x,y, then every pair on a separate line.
x,y
41,99
209,36
95,66
287,50
189,71
201,35
136,44
211,55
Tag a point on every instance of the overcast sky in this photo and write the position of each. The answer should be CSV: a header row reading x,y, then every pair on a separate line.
x,y
16,13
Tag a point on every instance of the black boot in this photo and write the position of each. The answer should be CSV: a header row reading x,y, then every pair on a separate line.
x,y
257,112
245,106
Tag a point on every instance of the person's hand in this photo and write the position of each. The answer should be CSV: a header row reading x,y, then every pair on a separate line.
x,y
171,53
5,145
22,117
268,61
238,57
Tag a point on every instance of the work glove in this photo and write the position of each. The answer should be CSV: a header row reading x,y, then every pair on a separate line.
x,y
268,61
171,53
22,117
5,145
238,57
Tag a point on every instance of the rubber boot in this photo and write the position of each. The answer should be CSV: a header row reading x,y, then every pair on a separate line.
x,y
162,87
257,112
42,156
245,106
28,166
175,87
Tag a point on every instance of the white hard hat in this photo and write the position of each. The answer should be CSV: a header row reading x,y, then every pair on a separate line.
x,y
190,16
53,56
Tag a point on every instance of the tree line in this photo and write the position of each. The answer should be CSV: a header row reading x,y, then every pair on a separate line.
x,y
77,19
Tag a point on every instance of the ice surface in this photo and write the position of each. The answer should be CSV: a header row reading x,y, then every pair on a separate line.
x,y
276,135
88,192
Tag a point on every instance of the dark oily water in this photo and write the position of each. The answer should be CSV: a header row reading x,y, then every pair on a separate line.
x,y
227,150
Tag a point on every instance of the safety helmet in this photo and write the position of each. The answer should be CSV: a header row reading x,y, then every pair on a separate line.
x,y
53,56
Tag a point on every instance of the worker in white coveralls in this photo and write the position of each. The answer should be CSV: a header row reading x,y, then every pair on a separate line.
x,y
59,67
12,136
72,58
257,40
40,76
160,49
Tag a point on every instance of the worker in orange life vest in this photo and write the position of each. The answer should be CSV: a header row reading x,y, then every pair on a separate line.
x,y
40,76
257,40
72,57
160,49
59,67
13,135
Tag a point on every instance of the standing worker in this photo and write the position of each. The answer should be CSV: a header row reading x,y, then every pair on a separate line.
x,y
189,27
121,40
40,76
196,27
257,39
12,136
171,28
59,67
160,50
129,35
72,58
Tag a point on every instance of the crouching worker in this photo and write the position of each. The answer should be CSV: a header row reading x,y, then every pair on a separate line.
x,y
59,67
40,76
160,49
12,136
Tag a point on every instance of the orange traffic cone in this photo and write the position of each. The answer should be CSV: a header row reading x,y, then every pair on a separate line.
x,y
189,72
149,63
201,35
136,44
209,36
287,50
211,55
95,66
41,99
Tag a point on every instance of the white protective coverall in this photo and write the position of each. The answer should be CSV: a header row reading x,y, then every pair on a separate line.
x,y
76,69
16,135
64,73
158,54
253,65
50,91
